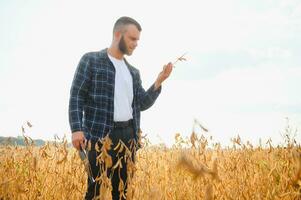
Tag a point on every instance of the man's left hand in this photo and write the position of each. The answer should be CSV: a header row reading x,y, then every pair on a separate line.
x,y
164,74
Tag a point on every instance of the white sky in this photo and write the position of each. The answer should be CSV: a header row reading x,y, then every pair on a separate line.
x,y
241,77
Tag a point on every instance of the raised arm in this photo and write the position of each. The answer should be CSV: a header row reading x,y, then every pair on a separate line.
x,y
147,98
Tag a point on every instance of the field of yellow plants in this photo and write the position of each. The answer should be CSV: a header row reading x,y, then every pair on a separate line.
x,y
192,169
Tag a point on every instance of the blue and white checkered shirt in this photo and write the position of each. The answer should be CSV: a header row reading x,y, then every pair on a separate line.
x,y
91,104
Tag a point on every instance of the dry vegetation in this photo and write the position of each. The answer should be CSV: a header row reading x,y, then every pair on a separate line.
x,y
194,168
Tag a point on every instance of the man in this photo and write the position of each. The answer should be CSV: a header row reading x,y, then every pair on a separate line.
x,y
106,99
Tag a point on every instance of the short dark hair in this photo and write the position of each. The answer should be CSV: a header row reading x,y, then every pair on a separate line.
x,y
123,21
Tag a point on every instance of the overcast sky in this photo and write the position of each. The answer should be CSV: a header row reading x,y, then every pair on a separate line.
x,y
242,75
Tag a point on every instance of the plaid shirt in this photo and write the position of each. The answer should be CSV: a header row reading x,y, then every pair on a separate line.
x,y
91,105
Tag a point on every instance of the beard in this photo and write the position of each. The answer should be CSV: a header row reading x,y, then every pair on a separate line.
x,y
122,46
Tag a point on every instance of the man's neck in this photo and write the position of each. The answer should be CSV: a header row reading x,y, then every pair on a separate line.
x,y
114,52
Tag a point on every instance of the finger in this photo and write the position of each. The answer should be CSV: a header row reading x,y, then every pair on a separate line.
x,y
76,144
169,67
83,144
74,141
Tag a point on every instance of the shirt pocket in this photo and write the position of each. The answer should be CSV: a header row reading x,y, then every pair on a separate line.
x,y
99,81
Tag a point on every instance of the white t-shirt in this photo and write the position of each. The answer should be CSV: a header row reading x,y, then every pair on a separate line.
x,y
123,94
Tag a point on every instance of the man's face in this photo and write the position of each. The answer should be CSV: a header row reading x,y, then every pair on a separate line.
x,y
129,40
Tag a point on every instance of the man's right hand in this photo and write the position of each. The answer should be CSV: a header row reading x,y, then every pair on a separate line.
x,y
78,140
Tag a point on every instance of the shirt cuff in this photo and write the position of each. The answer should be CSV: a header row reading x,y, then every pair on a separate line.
x,y
155,93
76,127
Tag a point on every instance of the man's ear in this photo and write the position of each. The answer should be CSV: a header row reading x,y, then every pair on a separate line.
x,y
117,35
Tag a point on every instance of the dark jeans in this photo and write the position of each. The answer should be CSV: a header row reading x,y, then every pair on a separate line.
x,y
126,135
